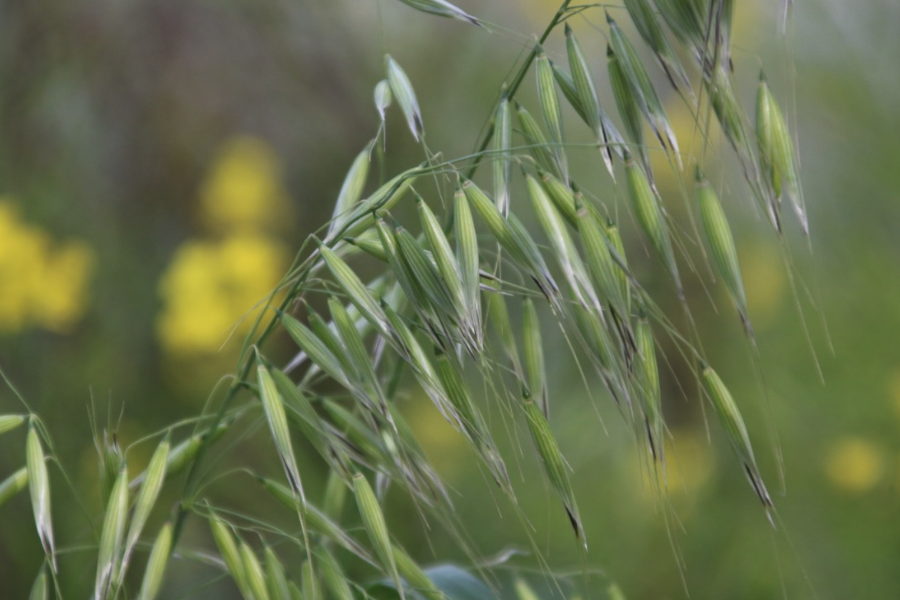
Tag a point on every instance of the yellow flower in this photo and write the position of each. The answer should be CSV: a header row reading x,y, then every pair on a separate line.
x,y
211,287
854,465
243,190
43,285
690,462
63,298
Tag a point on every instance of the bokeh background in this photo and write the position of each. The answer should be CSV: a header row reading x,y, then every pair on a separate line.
x,y
162,160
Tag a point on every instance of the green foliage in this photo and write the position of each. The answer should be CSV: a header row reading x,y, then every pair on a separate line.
x,y
422,315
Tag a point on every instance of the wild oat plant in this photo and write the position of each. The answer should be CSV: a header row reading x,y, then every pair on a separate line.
x,y
440,312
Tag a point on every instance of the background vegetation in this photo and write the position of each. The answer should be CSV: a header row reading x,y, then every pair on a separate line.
x,y
133,136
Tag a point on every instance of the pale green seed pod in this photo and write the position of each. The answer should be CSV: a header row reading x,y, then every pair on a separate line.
x,y
315,519
642,89
731,119
561,196
720,244
601,267
40,590
332,576
383,98
650,217
361,217
335,496
533,351
426,275
231,554
316,349
539,148
515,239
468,259
356,291
561,243
10,422
460,396
12,485
551,111
417,579
109,554
587,94
614,139
351,190
597,338
567,86
402,273
357,354
442,8
184,453
629,110
296,594
776,151
644,18
310,582
303,415
498,316
622,273
523,590
253,571
375,526
502,142
647,375
276,581
683,18
406,97
370,246
146,499
443,254
554,465
39,486
273,406
327,336
111,461
735,429
155,572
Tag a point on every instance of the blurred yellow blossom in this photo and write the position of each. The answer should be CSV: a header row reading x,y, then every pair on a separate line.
x,y
854,464
243,191
764,280
689,461
211,286
44,283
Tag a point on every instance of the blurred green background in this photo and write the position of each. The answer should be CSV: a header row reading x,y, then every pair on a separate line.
x,y
162,160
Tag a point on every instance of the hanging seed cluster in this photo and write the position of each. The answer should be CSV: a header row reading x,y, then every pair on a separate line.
x,y
468,293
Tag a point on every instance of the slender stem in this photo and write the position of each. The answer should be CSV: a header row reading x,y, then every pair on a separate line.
x,y
516,82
